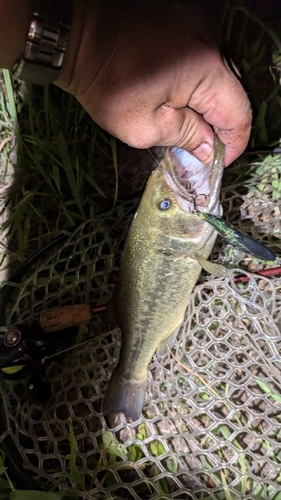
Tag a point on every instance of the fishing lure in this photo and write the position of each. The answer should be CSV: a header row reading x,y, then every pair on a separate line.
x,y
237,239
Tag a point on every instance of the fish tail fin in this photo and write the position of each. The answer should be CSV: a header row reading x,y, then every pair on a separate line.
x,y
124,396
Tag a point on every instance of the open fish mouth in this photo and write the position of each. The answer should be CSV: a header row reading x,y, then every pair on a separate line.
x,y
189,177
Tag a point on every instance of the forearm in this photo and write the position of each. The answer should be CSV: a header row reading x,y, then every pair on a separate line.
x,y
90,44
15,16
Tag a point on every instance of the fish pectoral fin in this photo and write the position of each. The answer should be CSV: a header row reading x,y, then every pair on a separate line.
x,y
216,270
169,341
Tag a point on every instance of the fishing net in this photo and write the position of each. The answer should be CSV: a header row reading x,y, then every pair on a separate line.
x,y
210,426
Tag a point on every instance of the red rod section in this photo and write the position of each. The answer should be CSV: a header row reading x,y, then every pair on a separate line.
x,y
274,271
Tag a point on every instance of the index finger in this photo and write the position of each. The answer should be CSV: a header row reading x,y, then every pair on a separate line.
x,y
223,103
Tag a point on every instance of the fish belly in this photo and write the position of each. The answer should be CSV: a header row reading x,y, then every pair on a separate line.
x,y
150,299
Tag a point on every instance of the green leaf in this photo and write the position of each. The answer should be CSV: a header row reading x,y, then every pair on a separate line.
x,y
277,497
74,473
154,449
161,448
33,495
275,195
12,106
204,462
69,170
4,471
163,485
204,396
113,447
157,448
107,439
142,432
172,464
110,479
270,32
132,453
4,483
224,478
268,391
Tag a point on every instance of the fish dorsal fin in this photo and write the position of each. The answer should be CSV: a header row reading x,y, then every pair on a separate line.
x,y
216,270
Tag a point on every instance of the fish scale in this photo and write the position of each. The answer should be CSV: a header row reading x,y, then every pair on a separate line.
x,y
158,272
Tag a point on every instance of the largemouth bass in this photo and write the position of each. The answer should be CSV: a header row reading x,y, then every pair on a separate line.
x,y
165,250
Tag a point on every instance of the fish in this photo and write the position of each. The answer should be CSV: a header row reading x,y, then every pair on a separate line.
x,y
165,250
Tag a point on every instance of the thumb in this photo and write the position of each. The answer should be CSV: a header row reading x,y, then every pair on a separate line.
x,y
186,129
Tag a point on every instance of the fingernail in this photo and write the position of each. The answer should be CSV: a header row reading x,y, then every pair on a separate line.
x,y
204,153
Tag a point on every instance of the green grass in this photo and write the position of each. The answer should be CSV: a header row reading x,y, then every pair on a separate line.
x,y
54,183
256,56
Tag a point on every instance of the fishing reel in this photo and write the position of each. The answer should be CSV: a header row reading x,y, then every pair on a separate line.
x,y
25,348
23,351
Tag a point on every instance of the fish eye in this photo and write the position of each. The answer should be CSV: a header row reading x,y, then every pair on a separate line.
x,y
164,205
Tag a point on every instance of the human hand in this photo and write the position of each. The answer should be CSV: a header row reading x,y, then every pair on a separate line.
x,y
152,76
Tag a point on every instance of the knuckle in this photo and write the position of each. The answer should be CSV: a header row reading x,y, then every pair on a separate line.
x,y
138,135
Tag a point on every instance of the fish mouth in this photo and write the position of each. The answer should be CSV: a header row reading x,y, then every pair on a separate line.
x,y
190,177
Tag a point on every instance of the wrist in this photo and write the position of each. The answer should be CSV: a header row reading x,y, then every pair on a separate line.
x,y
76,32
91,41
15,16
46,42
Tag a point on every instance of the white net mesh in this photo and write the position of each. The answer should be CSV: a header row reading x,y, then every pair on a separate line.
x,y
210,427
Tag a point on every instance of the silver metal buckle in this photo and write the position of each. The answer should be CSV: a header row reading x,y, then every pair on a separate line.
x,y
46,42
